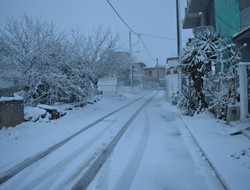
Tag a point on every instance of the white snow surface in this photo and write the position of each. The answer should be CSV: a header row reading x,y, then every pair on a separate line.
x,y
156,152
8,99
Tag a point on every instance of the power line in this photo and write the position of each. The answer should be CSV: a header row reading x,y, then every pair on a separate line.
x,y
139,34
121,17
145,47
143,34
155,36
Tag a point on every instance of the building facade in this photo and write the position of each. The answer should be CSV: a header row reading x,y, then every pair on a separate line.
x,y
154,77
222,16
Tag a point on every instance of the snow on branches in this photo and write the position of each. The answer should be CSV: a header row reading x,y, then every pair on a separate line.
x,y
51,66
208,64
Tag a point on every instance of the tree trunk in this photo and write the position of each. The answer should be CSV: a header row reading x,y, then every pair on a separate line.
x,y
95,83
198,85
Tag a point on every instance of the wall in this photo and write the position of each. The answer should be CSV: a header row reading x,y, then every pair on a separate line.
x,y
227,17
245,18
107,85
11,112
171,85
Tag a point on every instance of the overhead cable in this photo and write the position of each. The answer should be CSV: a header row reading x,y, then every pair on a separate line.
x,y
155,36
121,18
143,34
145,47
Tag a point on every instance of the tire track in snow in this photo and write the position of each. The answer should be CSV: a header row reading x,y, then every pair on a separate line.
x,y
53,170
88,176
129,173
31,160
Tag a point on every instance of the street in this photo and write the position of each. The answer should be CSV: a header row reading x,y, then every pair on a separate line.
x,y
154,154
141,145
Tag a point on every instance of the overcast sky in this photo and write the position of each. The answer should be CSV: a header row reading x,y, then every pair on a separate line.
x,y
154,17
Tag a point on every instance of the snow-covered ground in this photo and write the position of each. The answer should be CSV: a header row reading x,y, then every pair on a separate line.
x,y
156,152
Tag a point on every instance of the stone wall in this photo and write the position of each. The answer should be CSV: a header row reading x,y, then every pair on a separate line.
x,y
11,111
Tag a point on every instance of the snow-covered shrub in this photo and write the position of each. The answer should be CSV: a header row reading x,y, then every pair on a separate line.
x,y
188,102
208,64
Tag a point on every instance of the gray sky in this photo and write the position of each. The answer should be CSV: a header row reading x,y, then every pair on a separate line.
x,y
154,17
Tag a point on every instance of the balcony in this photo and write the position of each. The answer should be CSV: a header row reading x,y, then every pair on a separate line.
x,y
193,13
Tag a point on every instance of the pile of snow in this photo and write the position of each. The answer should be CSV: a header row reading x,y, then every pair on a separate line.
x,y
34,114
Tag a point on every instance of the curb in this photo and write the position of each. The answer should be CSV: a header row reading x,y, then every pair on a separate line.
x,y
217,174
246,132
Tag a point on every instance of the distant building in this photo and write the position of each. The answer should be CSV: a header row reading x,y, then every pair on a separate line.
x,y
122,81
154,77
138,73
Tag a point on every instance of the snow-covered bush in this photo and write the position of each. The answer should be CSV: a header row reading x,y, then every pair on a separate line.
x,y
208,64
188,102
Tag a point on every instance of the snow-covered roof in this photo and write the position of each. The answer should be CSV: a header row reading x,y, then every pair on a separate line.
x,y
8,99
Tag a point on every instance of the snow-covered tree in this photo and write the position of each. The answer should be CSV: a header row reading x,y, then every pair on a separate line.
x,y
100,61
208,57
96,55
51,66
31,49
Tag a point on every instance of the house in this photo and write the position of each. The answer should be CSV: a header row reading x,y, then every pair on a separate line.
x,y
138,73
122,81
242,39
154,77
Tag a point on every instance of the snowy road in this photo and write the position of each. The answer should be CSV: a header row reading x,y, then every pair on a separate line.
x,y
155,152
62,168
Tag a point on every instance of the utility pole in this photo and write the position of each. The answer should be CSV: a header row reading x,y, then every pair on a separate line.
x,y
157,67
179,45
178,24
131,56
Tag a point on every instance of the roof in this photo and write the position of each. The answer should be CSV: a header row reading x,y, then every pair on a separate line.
x,y
140,63
245,33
